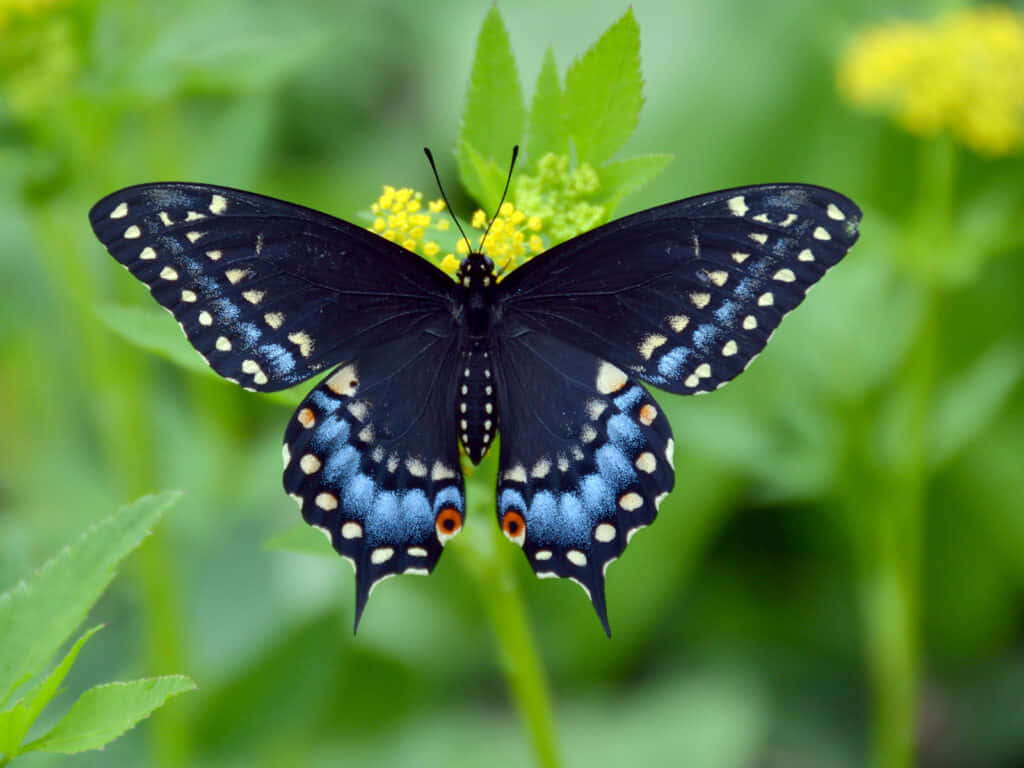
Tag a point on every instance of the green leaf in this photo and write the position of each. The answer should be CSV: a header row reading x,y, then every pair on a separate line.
x,y
15,722
149,329
37,616
488,176
546,131
494,117
300,538
604,93
971,401
104,712
623,177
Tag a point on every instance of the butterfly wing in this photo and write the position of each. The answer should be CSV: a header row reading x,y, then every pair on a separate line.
x,y
268,292
586,458
685,295
372,460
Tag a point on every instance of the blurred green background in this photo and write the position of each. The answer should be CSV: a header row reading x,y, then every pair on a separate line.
x,y
837,578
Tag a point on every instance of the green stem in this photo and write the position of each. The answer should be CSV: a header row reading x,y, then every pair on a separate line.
x,y
485,554
891,555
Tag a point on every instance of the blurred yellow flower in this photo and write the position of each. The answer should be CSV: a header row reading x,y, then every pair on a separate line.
x,y
399,217
963,72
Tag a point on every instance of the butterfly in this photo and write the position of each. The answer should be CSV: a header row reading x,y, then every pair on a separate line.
x,y
682,296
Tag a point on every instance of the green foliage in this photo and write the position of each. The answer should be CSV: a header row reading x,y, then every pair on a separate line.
x,y
588,120
40,614
839,570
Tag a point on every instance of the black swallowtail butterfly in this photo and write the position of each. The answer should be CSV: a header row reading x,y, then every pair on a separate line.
x,y
682,296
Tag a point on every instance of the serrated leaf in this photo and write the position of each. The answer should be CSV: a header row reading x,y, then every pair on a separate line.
x,y
15,722
623,177
38,615
302,539
971,401
494,117
149,328
104,712
604,93
488,178
546,131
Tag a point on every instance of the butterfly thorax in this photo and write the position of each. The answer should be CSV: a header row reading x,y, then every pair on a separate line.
x,y
477,406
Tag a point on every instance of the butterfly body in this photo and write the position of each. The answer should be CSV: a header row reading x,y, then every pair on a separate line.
x,y
682,296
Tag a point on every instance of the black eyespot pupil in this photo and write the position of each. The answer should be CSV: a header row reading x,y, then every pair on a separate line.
x,y
448,524
513,527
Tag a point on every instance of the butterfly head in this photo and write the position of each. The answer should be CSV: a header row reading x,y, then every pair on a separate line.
x,y
476,271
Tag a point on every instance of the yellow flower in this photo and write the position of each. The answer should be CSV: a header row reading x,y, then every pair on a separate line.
x,y
399,217
963,72
561,196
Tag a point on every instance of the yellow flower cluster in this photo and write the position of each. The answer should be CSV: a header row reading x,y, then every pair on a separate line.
x,y
400,218
507,243
562,196
963,72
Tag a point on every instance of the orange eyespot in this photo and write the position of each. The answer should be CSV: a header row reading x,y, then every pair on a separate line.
x,y
447,523
513,526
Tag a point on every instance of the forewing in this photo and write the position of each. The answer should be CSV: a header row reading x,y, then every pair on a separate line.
x,y
372,460
586,458
268,292
685,295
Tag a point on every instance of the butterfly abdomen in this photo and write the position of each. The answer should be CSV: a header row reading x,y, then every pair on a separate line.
x,y
477,405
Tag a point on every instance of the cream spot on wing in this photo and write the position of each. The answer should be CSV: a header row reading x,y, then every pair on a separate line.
x,y
670,451
516,474
166,219
631,501
223,344
730,348
595,408
148,254
235,275
274,319
660,498
749,323
576,557
588,434
609,378
213,255
417,552
381,555
326,501
205,318
703,370
344,381
718,277
253,297
834,212
194,216
820,233
132,233
286,455
366,434
306,418
360,410
542,554
169,273
296,498
541,468
605,532
632,532
649,344
700,300
416,467
784,276
763,218
309,464
441,471
218,204
759,237
120,212
351,530
738,206
788,220
766,299
189,297
303,341
193,236
677,323
740,257
806,255
648,413
646,462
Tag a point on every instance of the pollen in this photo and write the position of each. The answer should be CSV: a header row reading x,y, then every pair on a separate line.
x,y
962,72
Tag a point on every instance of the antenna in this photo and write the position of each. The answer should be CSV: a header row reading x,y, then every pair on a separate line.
x,y
508,180
444,197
